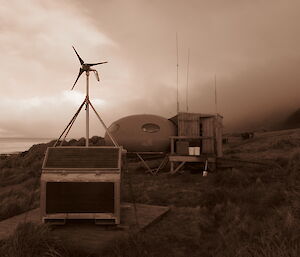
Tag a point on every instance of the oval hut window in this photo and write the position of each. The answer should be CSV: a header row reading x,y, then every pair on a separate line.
x,y
150,128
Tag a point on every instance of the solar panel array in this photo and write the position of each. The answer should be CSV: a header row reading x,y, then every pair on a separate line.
x,y
82,157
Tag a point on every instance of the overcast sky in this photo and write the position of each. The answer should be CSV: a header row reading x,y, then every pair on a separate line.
x,y
252,46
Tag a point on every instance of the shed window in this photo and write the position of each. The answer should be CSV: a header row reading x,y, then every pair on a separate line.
x,y
150,128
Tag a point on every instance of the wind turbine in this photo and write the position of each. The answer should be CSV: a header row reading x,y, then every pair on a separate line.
x,y
85,67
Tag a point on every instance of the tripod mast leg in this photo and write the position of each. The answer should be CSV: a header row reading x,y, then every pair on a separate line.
x,y
103,124
87,110
70,123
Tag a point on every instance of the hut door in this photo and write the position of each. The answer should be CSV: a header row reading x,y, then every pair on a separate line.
x,y
207,127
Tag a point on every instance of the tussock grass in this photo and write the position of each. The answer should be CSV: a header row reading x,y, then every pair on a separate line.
x,y
247,211
18,200
222,231
250,211
286,143
12,176
31,240
266,145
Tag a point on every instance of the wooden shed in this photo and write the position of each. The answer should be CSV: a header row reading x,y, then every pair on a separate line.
x,y
199,132
81,183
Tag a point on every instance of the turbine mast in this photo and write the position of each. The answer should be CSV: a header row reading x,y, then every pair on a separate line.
x,y
87,118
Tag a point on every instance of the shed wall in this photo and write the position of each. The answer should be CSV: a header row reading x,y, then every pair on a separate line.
x,y
208,131
206,125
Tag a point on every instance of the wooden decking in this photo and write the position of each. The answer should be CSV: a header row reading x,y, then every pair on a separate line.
x,y
181,160
88,235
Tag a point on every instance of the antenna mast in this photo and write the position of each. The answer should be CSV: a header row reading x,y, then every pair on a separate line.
x,y
216,103
187,81
177,66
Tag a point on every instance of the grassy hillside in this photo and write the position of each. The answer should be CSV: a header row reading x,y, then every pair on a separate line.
x,y
19,177
250,210
293,121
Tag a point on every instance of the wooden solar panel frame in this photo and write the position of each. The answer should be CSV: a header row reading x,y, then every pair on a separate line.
x,y
82,175
112,218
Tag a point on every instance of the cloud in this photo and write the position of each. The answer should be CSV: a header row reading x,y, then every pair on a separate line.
x,y
36,39
252,46
41,116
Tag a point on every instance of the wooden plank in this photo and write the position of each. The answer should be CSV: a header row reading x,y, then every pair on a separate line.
x,y
81,177
177,158
192,137
178,168
81,170
149,153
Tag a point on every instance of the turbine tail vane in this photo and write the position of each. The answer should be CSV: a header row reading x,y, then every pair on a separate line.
x,y
96,74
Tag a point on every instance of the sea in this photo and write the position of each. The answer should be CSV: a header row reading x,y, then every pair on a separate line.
x,y
15,145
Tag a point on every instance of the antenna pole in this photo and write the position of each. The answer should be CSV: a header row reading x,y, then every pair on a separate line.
x,y
187,81
216,103
87,109
177,71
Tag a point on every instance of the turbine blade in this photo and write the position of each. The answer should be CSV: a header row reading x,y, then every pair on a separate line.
x,y
79,74
81,61
93,64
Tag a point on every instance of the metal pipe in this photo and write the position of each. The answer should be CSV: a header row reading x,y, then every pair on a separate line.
x,y
216,102
187,81
177,67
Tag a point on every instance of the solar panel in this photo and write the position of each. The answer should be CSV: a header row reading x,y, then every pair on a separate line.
x,y
82,157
